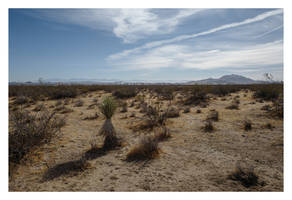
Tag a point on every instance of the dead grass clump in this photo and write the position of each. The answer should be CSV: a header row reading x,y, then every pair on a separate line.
x,y
269,126
197,96
91,117
39,107
278,108
145,150
246,177
27,130
78,103
63,109
124,107
208,127
161,133
20,100
233,106
266,107
213,115
172,113
186,110
125,93
247,125
58,103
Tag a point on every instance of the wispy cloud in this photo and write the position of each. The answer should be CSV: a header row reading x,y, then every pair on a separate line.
x,y
184,56
190,36
130,25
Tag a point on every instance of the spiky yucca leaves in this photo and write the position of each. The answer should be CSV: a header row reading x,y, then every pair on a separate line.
x,y
107,108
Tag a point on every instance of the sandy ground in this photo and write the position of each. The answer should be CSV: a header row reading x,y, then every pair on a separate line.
x,y
191,160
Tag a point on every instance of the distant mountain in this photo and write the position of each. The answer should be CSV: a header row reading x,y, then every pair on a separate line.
x,y
227,80
224,80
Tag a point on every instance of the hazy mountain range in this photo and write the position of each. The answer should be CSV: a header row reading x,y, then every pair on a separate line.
x,y
224,80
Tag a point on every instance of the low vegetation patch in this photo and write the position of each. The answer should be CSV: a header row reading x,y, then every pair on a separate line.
x,y
161,133
213,115
247,125
145,150
28,130
208,126
246,177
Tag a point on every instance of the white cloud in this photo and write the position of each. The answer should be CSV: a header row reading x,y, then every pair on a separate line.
x,y
149,45
184,56
128,24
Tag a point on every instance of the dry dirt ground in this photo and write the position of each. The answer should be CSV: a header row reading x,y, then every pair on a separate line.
x,y
191,160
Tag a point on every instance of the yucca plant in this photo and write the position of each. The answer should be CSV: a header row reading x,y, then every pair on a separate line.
x,y
108,108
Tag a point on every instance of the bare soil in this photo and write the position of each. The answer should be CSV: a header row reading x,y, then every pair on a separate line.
x,y
191,160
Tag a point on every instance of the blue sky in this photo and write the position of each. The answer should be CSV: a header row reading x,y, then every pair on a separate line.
x,y
144,44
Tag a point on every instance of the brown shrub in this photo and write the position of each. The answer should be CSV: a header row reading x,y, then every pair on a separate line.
x,y
145,150
213,115
27,130
208,127
246,177
172,113
233,106
161,133
247,125
78,103
186,110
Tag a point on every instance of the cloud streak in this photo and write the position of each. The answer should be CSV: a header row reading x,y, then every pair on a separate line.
x,y
185,57
185,37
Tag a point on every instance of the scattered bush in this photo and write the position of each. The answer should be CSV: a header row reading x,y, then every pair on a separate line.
x,y
20,100
267,92
197,96
246,177
91,117
186,110
146,149
27,130
247,125
58,103
78,103
124,107
233,106
39,107
172,113
208,127
198,111
213,115
161,133
125,93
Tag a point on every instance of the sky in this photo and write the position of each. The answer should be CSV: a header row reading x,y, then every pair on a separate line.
x,y
144,44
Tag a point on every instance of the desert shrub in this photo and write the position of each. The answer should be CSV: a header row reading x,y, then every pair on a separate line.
x,y
58,103
21,100
107,108
132,114
186,109
246,177
161,133
213,115
198,111
154,117
266,107
146,149
278,108
78,103
197,96
60,92
27,130
91,117
247,125
267,92
269,126
172,113
233,106
124,107
208,126
39,107
125,93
